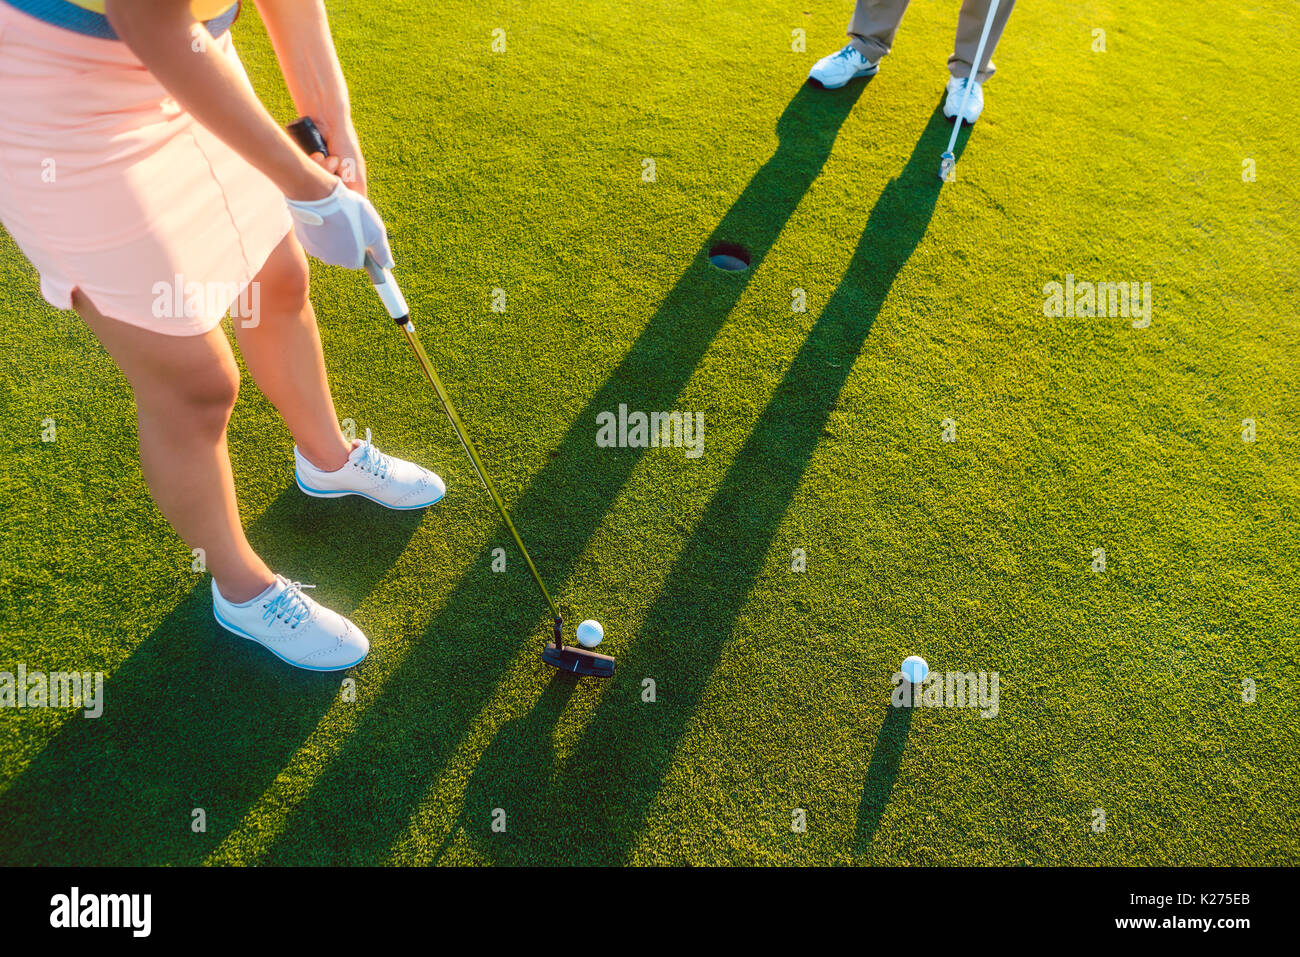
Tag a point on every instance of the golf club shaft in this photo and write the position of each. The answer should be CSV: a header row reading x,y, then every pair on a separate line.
x,y
307,135
408,330
974,73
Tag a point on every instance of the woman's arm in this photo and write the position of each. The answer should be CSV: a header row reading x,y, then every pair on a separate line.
x,y
300,33
162,33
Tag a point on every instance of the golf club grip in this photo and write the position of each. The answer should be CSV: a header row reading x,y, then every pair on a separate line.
x,y
389,292
307,135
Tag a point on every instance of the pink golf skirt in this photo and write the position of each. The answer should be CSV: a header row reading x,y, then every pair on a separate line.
x,y
108,186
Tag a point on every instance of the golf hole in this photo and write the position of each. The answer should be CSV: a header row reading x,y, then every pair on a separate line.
x,y
729,256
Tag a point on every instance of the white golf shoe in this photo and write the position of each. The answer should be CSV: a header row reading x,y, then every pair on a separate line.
x,y
833,71
957,92
371,474
296,629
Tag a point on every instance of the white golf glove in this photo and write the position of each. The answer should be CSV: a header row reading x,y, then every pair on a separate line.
x,y
341,228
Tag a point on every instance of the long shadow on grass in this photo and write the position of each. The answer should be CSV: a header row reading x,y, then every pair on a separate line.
x,y
595,806
196,717
403,741
882,773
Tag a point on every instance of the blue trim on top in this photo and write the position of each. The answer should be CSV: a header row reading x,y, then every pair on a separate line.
x,y
88,23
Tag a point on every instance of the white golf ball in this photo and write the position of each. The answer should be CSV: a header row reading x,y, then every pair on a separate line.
x,y
590,633
915,669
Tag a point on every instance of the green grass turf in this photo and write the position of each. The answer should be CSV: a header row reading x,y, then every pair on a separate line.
x,y
522,171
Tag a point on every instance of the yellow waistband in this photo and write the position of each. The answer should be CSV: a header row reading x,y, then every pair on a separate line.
x,y
201,9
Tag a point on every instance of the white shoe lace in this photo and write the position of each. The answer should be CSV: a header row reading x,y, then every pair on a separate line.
x,y
291,605
372,460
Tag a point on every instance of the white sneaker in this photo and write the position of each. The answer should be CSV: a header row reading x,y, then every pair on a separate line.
x,y
833,71
371,474
957,92
295,628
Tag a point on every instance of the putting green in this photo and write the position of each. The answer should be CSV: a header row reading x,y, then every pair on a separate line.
x,y
584,172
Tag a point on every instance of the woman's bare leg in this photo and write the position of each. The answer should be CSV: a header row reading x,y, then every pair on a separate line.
x,y
185,387
281,348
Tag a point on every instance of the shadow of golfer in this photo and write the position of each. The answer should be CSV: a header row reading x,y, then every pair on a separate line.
x,y
618,765
886,758
196,717
373,776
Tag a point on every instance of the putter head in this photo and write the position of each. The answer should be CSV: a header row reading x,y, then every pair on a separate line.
x,y
947,163
578,661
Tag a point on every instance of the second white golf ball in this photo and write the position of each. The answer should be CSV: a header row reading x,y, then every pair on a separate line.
x,y
915,669
590,633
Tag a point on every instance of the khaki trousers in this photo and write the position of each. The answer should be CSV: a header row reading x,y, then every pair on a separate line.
x,y
874,23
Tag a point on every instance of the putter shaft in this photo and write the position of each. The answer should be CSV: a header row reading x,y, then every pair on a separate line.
x,y
408,330
308,137
974,73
